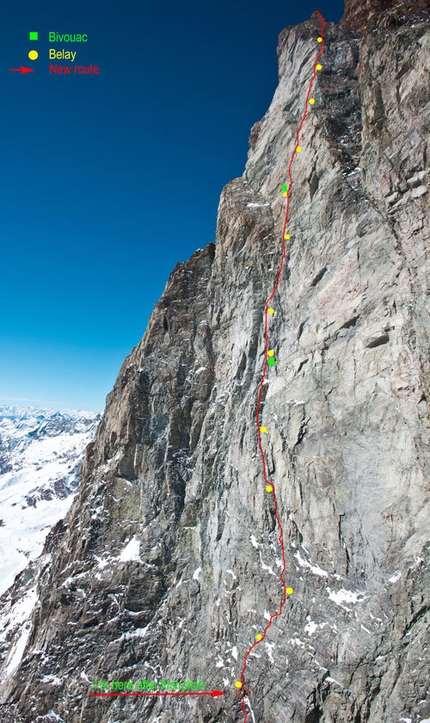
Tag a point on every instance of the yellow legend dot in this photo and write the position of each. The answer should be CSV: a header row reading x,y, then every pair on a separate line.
x,y
238,684
289,590
285,194
287,236
271,311
270,352
319,39
311,101
299,149
319,66
269,488
33,55
259,636
263,430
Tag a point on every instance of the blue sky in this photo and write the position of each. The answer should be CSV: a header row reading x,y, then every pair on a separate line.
x,y
108,181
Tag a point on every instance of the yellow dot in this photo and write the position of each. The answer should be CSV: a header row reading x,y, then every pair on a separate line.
x,y
287,236
269,488
263,430
271,311
270,352
299,149
311,101
319,39
289,590
33,55
238,684
259,636
284,194
319,66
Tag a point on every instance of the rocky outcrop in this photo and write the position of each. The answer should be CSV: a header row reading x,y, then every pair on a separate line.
x,y
370,15
168,564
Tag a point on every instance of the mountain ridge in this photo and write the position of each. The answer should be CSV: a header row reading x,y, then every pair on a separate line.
x,y
40,459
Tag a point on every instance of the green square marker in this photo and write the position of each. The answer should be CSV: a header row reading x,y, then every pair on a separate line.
x,y
34,36
284,188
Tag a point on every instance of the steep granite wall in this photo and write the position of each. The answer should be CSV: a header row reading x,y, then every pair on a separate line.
x,y
168,564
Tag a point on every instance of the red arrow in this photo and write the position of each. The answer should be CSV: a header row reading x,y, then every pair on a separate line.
x,y
22,69
213,693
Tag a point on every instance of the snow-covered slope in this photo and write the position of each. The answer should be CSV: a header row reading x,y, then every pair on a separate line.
x,y
40,458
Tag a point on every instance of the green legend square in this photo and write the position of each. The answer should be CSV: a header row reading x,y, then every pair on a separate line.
x,y
34,36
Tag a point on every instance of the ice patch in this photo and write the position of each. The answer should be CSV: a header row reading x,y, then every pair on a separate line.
x,y
197,574
332,680
394,578
248,703
269,651
51,717
256,205
345,596
266,567
138,633
313,568
52,679
254,542
293,402
234,652
100,564
131,551
311,627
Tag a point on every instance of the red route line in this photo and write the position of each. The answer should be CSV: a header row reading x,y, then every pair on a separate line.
x,y
263,376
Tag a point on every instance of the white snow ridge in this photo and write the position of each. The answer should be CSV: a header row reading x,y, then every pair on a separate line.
x,y
40,459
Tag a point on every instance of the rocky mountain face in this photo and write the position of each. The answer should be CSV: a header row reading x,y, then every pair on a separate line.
x,y
41,453
168,564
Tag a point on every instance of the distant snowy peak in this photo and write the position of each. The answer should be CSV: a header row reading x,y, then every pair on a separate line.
x,y
41,452
40,413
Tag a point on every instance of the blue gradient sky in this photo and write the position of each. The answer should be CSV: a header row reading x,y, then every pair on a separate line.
x,y
107,182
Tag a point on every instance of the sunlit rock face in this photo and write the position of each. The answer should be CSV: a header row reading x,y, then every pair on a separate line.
x,y
167,565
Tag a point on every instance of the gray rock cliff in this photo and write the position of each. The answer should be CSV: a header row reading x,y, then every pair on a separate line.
x,y
167,565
